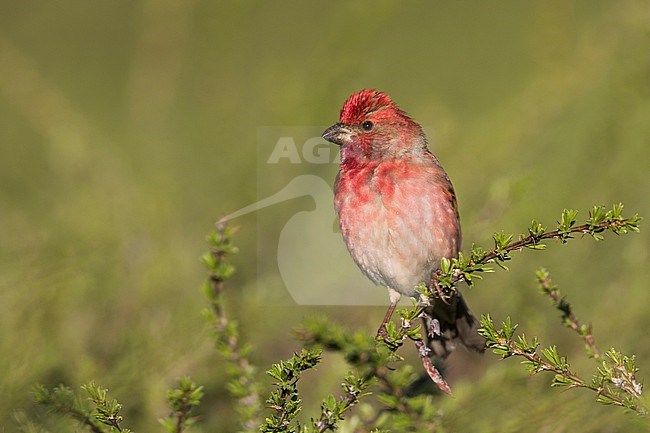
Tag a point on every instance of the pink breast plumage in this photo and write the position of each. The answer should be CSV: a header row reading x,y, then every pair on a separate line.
x,y
395,240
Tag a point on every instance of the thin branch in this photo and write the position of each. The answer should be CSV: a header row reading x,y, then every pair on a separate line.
x,y
570,320
532,240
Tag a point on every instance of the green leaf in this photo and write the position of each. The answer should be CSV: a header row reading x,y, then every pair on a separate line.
x,y
508,329
552,356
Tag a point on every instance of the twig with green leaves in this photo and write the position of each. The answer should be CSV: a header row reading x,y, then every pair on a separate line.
x,y
569,319
376,364
182,402
467,267
614,381
103,416
333,409
285,400
243,384
394,339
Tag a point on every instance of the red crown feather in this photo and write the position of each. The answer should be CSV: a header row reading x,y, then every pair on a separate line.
x,y
360,104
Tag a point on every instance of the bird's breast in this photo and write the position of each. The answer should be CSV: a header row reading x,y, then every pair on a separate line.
x,y
396,222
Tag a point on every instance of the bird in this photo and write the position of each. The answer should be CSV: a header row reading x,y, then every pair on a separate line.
x,y
398,212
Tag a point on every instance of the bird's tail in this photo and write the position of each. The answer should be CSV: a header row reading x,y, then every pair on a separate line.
x,y
450,324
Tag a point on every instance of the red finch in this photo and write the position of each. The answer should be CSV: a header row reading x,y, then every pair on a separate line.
x,y
397,210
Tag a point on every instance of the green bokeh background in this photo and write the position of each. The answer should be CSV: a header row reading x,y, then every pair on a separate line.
x,y
128,127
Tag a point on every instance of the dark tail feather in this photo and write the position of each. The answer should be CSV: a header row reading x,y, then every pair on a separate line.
x,y
451,324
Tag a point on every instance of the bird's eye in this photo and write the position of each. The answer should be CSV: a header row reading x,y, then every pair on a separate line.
x,y
367,125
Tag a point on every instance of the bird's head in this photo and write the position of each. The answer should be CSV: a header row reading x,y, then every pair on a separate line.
x,y
372,125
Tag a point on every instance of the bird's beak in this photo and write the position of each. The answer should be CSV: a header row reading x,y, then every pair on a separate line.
x,y
337,134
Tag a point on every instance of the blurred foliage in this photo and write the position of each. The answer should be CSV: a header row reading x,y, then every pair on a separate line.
x,y
129,126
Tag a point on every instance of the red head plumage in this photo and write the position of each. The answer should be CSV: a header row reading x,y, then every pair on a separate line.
x,y
361,104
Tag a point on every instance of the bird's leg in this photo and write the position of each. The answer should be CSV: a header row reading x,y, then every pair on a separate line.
x,y
394,299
